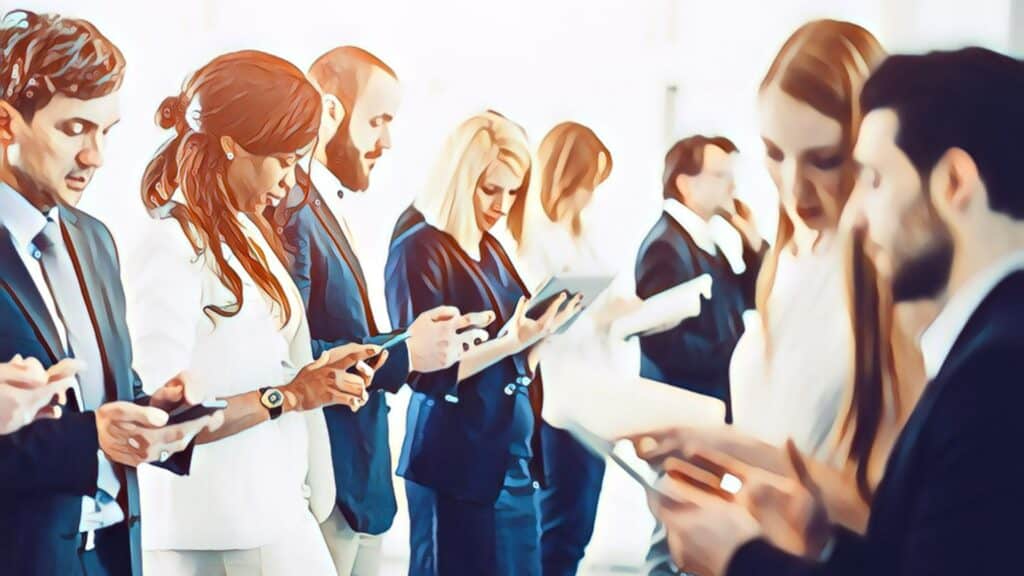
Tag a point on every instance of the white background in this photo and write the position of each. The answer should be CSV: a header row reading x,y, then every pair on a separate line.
x,y
609,64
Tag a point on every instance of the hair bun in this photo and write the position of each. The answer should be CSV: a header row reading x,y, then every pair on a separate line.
x,y
170,113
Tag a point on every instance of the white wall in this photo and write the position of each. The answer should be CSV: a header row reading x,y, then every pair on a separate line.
x,y
605,63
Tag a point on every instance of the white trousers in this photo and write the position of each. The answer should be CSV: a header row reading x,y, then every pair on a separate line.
x,y
354,554
300,552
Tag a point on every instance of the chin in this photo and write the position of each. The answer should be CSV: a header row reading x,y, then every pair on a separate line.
x,y
70,197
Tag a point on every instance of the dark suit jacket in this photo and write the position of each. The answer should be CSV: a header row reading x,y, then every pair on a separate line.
x,y
457,433
328,274
46,467
948,503
695,354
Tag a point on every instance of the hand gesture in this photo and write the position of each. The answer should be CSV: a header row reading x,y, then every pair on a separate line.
x,y
439,337
327,381
29,393
526,332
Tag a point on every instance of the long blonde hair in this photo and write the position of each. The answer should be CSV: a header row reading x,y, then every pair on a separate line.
x,y
447,201
824,64
568,159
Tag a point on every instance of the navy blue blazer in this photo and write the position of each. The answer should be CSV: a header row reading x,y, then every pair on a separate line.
x,y
46,467
695,354
947,504
328,274
458,434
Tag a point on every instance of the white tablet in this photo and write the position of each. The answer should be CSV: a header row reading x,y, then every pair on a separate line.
x,y
589,286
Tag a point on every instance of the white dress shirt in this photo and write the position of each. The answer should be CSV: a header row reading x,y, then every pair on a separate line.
x,y
25,222
938,339
792,381
253,488
334,194
712,236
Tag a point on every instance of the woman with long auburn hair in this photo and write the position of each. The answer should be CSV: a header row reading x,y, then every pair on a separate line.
x,y
212,296
471,457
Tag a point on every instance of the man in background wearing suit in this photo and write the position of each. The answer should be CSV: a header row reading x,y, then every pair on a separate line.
x,y
69,501
360,99
940,193
697,185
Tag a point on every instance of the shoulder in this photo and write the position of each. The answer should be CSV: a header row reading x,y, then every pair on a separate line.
x,y
94,228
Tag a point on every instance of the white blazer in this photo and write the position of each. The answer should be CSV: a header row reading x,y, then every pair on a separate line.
x,y
253,488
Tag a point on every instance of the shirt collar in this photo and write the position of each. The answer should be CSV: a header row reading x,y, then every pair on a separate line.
x,y
694,225
938,339
327,183
21,218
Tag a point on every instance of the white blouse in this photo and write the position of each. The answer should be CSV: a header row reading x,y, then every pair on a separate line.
x,y
549,249
253,488
792,384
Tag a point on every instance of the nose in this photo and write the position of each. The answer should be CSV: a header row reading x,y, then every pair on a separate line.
x,y
385,138
505,201
795,182
287,182
91,154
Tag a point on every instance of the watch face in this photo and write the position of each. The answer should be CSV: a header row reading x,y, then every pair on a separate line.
x,y
272,398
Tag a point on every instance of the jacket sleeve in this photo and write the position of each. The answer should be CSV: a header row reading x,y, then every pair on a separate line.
x,y
759,558
51,456
415,284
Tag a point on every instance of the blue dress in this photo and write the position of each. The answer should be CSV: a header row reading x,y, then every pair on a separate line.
x,y
467,457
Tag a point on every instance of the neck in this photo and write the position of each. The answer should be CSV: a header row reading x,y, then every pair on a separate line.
x,y
697,209
976,251
41,200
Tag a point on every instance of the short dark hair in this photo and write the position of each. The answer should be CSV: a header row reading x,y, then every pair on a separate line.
x,y
687,157
47,54
971,99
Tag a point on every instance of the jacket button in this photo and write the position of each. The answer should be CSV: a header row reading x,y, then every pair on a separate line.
x,y
430,401
510,389
316,202
451,398
536,485
523,380
280,230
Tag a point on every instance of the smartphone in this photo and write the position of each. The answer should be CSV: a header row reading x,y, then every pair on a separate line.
x,y
645,476
185,413
395,339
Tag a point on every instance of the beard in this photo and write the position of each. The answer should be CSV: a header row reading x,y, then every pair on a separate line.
x,y
344,160
924,273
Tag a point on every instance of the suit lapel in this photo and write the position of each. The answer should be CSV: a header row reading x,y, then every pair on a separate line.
x,y
20,285
96,300
333,229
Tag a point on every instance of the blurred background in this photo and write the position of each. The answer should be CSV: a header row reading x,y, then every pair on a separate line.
x,y
641,74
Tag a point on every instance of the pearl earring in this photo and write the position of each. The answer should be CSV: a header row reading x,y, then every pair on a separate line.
x,y
231,156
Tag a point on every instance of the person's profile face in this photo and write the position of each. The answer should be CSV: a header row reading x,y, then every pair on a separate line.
x,y
712,188
257,181
910,244
805,157
365,133
56,155
494,194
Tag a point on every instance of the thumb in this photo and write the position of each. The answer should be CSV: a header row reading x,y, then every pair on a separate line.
x,y
799,467
442,313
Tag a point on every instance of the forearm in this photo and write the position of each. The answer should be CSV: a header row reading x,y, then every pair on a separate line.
x,y
243,412
481,357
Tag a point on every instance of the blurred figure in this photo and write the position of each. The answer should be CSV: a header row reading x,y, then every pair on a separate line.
x,y
787,381
547,224
938,193
698,184
471,457
211,294
68,492
360,98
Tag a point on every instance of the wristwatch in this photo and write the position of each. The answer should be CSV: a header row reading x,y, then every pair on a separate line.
x,y
273,400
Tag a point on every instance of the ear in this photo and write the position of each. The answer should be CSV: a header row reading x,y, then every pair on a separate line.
x,y
334,111
955,181
682,184
229,146
7,117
